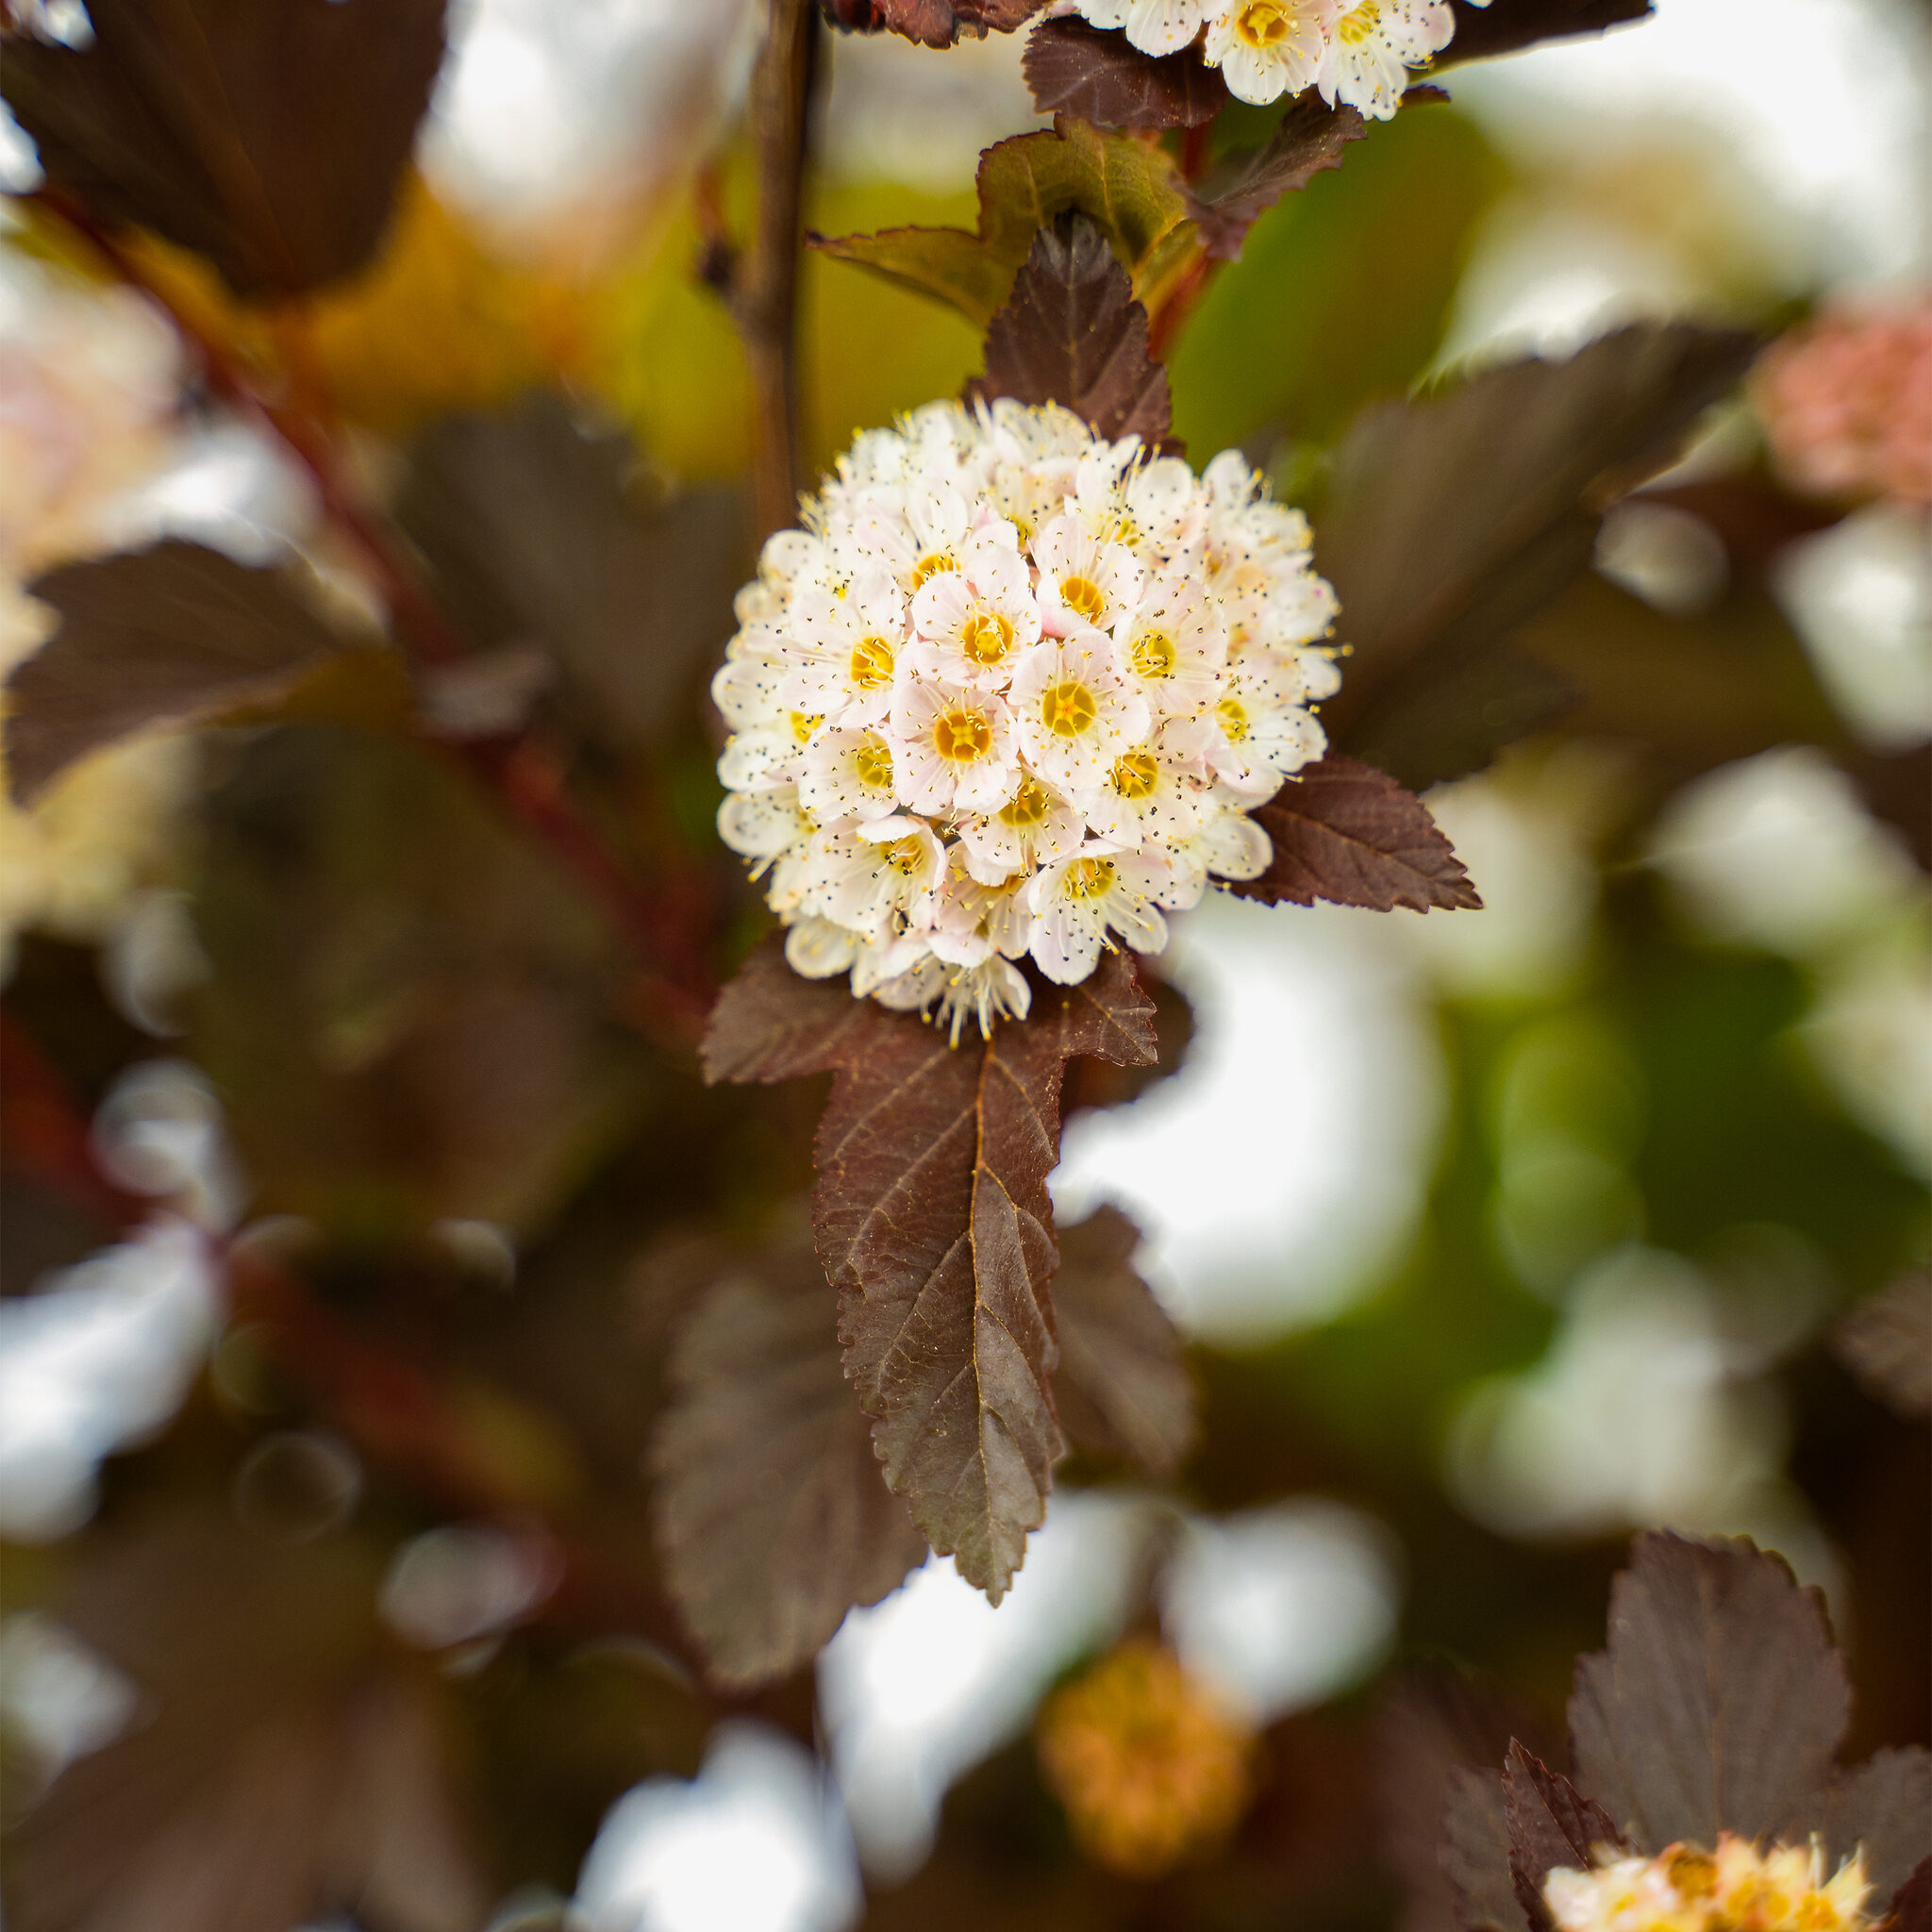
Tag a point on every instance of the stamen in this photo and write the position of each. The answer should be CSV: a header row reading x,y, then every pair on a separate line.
x,y
871,663
961,735
1068,709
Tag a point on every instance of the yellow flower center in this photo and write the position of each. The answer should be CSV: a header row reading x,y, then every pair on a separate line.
x,y
1263,23
930,565
1068,709
1234,719
1029,805
905,856
1135,775
1083,597
871,663
804,725
1356,27
988,637
1089,879
961,735
872,762
1152,655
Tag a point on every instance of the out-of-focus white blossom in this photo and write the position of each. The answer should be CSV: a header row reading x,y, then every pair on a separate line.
x,y
1358,55
1012,690
88,381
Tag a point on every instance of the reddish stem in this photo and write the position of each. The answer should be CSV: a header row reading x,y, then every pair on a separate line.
x,y
1194,151
1179,305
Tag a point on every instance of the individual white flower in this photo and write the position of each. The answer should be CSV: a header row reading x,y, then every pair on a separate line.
x,y
1156,795
1074,711
1259,731
1173,648
845,649
1228,845
749,684
769,756
848,775
974,620
1077,902
992,990
1268,48
1084,580
1033,829
1164,506
877,878
762,825
817,949
972,920
1371,47
952,747
1164,27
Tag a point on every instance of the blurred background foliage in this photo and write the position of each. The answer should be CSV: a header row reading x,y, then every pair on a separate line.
x,y
330,1592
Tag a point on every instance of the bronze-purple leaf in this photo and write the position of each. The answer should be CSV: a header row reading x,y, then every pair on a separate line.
x,y
1072,333
930,23
1886,1343
1551,1824
535,537
1441,1809
267,135
1883,1808
1308,138
1474,1855
1718,1703
1456,517
1911,1905
934,1223
1073,68
283,1759
770,1512
1503,27
1345,832
1122,1386
172,635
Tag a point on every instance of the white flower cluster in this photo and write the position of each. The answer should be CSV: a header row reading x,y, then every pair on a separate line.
x,y
1358,54
1736,1889
1012,688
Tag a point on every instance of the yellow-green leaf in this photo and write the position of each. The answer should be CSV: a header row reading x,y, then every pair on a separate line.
x,y
1130,187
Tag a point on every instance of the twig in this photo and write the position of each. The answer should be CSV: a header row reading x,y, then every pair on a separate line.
x,y
765,291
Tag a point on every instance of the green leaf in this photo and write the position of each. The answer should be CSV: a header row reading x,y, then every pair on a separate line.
x,y
267,135
1343,291
173,635
1131,190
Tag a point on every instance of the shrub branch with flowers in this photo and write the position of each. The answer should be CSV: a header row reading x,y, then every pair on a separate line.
x,y
1013,687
